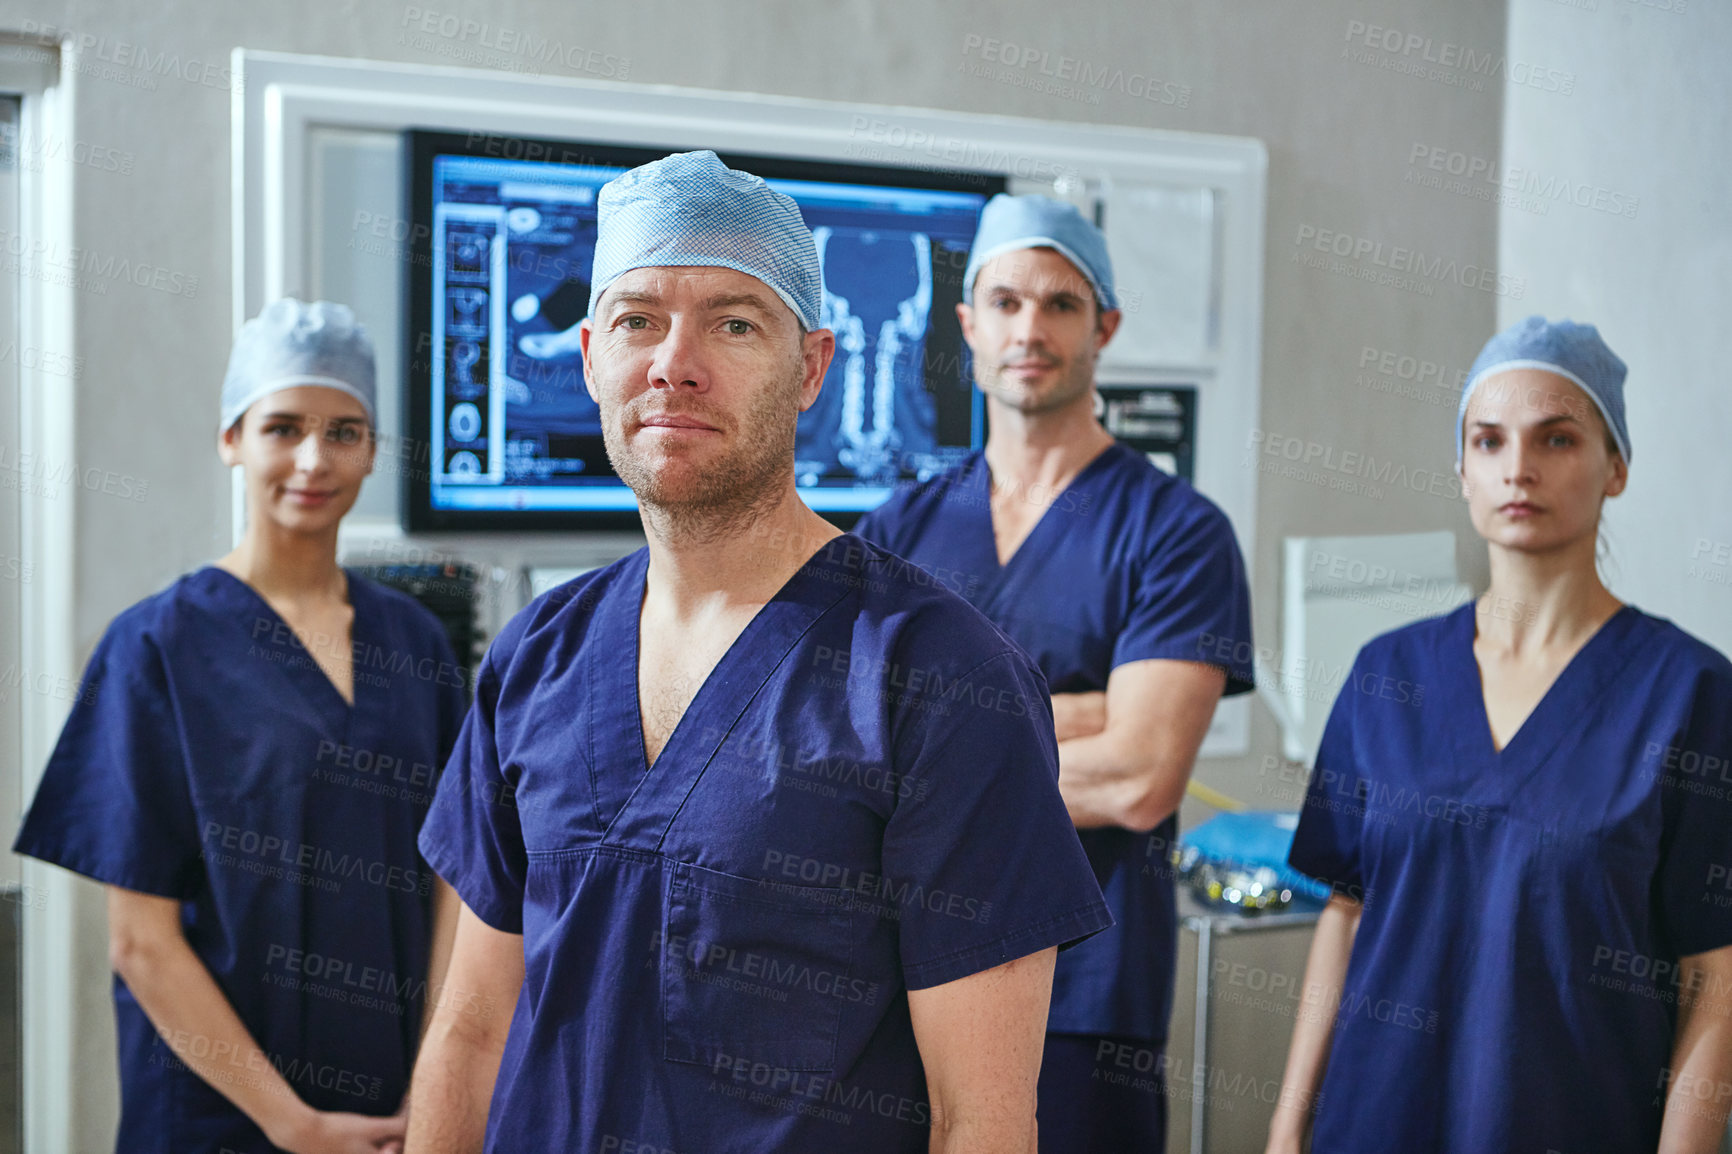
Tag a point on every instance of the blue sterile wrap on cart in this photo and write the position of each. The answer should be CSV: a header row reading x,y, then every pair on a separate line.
x,y
1240,860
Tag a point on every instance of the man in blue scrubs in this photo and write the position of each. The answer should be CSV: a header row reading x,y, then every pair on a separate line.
x,y
1126,587
758,830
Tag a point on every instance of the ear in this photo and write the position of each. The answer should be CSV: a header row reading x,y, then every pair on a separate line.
x,y
1620,477
586,330
965,315
1106,324
817,349
228,443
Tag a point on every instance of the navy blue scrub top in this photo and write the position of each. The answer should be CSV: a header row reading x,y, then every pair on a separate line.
x,y
208,758
1514,979
861,800
1127,564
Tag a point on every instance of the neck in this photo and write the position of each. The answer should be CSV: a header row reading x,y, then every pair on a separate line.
x,y
287,566
1046,449
1537,600
710,559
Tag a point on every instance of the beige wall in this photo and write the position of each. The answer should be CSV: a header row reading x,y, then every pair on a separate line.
x,y
1341,122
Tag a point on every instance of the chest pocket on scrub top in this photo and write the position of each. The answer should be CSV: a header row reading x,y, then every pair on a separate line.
x,y
754,971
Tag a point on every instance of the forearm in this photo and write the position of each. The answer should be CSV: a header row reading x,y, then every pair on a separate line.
x,y
1696,1103
980,1038
445,906
452,1088
1106,782
1699,1080
985,1136
1078,714
196,1021
1314,1022
1132,770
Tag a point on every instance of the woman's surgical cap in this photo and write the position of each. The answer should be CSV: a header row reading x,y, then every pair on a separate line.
x,y
1572,351
292,343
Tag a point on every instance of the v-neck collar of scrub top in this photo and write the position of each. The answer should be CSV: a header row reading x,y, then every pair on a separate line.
x,y
654,802
315,684
1039,541
1571,694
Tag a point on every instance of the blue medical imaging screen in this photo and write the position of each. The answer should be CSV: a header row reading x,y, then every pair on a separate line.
x,y
507,233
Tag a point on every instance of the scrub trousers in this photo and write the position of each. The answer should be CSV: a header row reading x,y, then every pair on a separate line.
x,y
1102,1095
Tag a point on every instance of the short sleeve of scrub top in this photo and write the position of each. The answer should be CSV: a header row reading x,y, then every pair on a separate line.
x,y
991,766
1332,819
472,837
1693,889
115,785
1192,601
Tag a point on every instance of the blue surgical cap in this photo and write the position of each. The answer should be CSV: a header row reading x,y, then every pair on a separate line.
x,y
292,343
1012,222
1572,351
690,209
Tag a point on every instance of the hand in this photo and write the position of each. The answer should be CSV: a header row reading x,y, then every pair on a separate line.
x,y
1292,1119
1079,714
321,1132
395,1145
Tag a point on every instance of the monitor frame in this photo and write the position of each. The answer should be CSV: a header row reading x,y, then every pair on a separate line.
x,y
421,146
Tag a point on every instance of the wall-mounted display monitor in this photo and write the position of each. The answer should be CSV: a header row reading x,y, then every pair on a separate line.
x,y
502,235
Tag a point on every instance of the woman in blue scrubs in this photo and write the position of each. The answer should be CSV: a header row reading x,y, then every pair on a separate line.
x,y
1525,810
246,770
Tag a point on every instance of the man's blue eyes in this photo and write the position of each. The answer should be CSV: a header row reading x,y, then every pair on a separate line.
x,y
738,328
